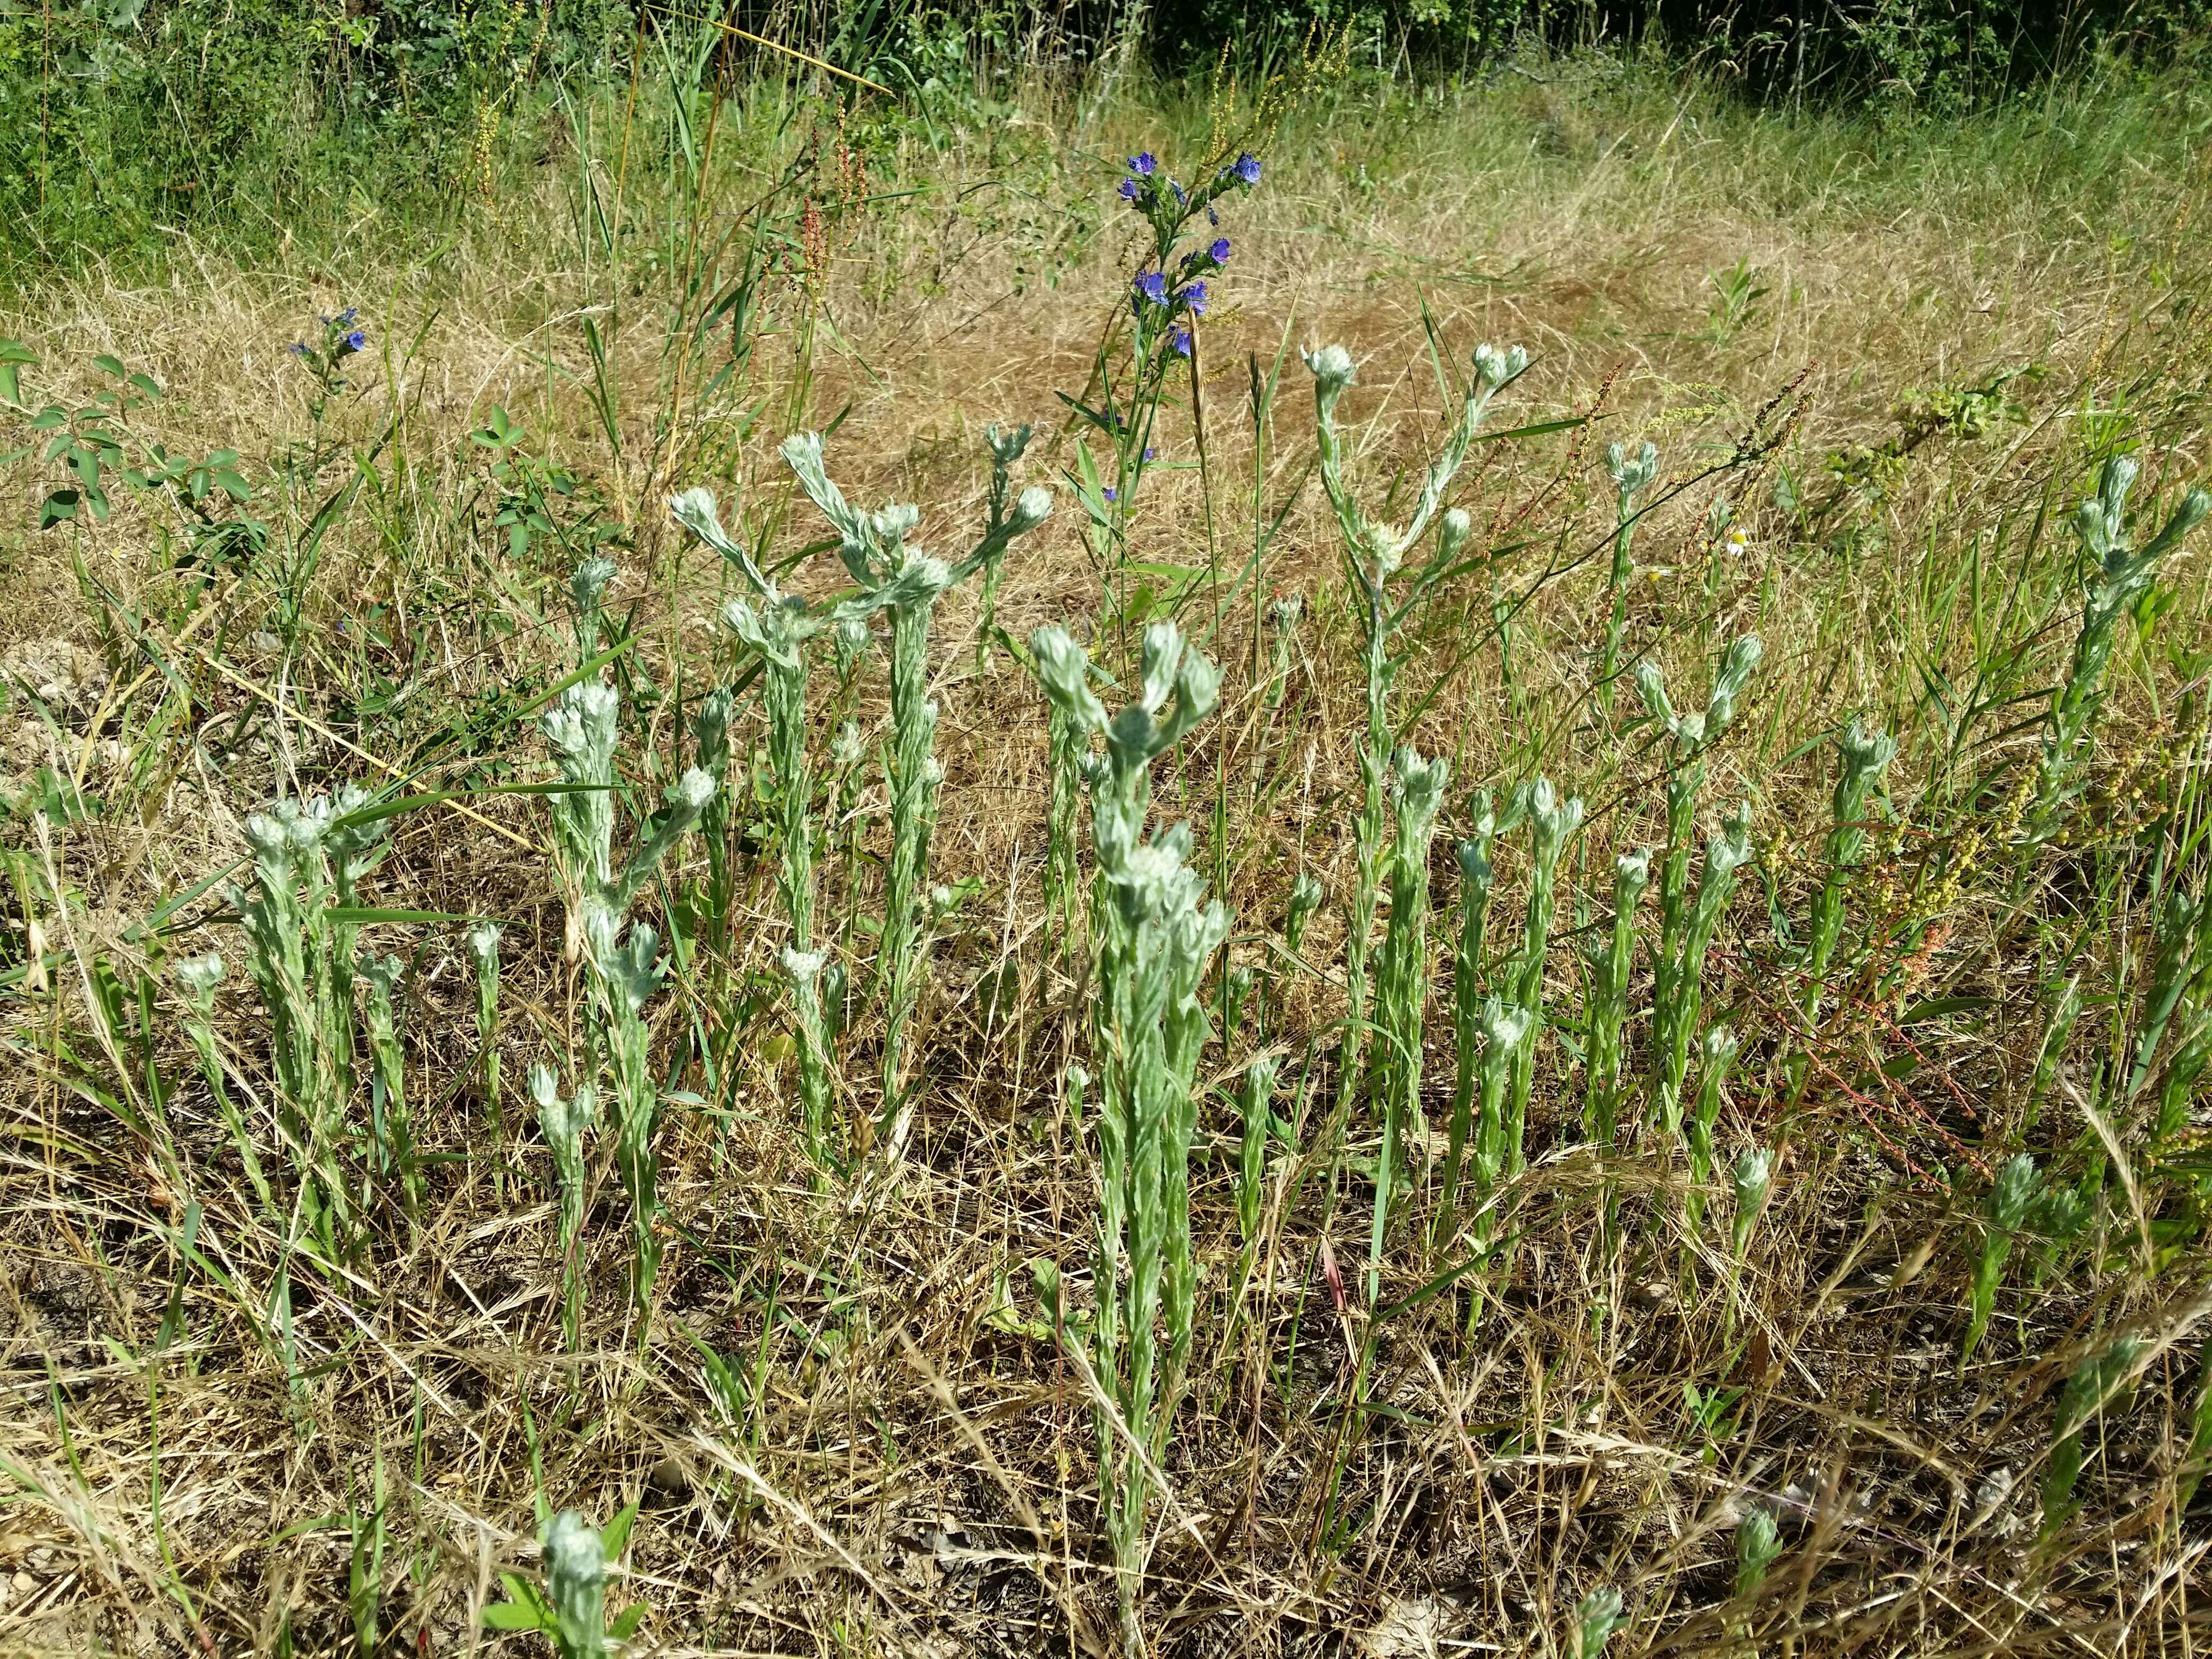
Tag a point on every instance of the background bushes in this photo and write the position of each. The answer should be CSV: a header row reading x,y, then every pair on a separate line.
x,y
123,120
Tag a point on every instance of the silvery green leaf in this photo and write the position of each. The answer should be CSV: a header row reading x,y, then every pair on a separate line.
x,y
588,586
582,723
710,733
575,1583
802,453
1596,1617
1006,443
1419,788
1452,532
1866,753
1163,649
1631,474
2101,520
2013,1190
695,511
1743,655
1754,1170
1063,669
632,969
1653,685
482,939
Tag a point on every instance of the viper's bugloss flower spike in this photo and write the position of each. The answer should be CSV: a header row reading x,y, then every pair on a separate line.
x,y
1127,191
1152,285
1192,296
1142,163
1181,199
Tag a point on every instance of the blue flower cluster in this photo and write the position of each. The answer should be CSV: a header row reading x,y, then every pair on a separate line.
x,y
1187,293
340,338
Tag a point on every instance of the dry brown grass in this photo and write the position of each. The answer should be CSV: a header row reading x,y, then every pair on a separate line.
x,y
912,1476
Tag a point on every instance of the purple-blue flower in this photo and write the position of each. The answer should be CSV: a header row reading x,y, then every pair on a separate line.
x,y
1181,200
1195,297
1142,164
1151,451
1109,493
1153,286
1129,191
1180,340
298,348
356,341
1247,168
1213,215
1219,252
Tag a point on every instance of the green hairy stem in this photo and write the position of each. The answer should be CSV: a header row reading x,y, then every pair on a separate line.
x,y
1863,757
1682,990
392,1139
307,859
1690,736
1156,939
1608,1003
482,941
563,1123
2119,576
1373,556
1553,824
907,582
198,977
1716,1054
1631,476
1416,795
2003,1217
581,725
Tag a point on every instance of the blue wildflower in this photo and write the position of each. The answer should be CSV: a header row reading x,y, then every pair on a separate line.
x,y
1195,297
344,318
1180,340
1129,189
1219,252
1153,286
298,348
1150,451
1213,215
356,341
1142,164
1181,200
1247,168
1109,493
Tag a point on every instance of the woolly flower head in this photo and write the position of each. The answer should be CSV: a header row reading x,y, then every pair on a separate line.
x,y
1495,365
1332,367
